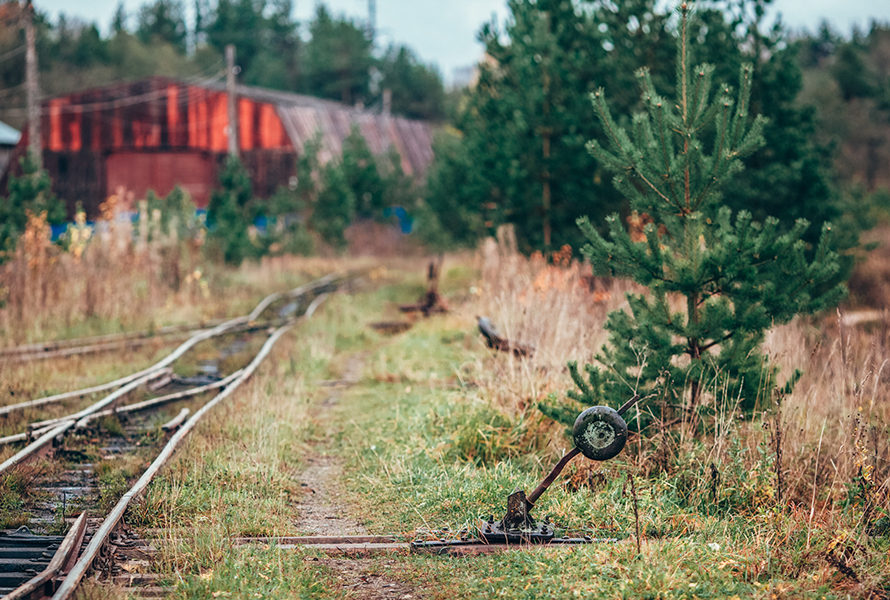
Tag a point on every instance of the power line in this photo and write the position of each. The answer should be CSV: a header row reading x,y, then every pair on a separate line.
x,y
9,91
13,52
120,102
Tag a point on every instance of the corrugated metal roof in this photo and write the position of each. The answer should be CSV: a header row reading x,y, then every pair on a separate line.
x,y
9,136
303,116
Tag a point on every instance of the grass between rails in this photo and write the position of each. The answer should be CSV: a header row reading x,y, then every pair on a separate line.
x,y
428,443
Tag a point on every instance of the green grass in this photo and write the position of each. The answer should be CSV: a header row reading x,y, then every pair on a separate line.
x,y
425,448
14,490
256,572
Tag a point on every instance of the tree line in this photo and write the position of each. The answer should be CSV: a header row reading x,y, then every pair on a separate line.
x,y
331,56
517,153
515,147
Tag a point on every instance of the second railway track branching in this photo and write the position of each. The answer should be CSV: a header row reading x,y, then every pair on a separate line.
x,y
46,431
230,384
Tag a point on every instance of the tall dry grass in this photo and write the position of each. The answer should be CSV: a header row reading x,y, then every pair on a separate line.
x,y
829,436
840,409
115,275
107,272
557,307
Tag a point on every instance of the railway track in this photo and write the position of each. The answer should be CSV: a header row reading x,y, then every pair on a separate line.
x,y
100,343
89,454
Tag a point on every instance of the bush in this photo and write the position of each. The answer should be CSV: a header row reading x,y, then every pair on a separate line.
x,y
30,192
230,213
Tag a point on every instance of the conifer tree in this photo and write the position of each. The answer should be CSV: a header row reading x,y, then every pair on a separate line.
x,y
735,277
29,192
230,212
335,209
359,169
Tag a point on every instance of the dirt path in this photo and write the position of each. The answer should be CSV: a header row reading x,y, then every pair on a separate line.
x,y
323,512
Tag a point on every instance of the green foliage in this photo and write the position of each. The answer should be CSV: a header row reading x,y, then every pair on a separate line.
x,y
449,214
15,487
358,185
790,178
176,215
335,208
847,82
589,393
417,90
519,157
29,192
736,277
399,188
308,172
162,21
288,209
337,59
523,125
361,175
265,39
230,213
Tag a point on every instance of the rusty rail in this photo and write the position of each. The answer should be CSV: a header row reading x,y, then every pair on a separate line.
x,y
176,421
160,400
182,349
49,348
72,580
65,425
40,585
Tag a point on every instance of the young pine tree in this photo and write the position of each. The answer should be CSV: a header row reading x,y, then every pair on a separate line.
x,y
733,277
230,213
335,209
30,192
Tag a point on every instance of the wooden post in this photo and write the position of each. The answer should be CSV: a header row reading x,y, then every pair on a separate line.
x,y
233,109
387,102
546,130
32,86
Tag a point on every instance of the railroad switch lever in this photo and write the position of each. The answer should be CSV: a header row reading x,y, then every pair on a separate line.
x,y
599,433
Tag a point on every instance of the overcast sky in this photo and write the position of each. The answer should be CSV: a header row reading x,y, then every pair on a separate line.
x,y
443,32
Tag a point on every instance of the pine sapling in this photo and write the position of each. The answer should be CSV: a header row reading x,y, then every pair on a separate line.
x,y
715,282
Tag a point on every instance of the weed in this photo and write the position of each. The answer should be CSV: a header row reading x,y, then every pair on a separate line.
x,y
15,488
111,424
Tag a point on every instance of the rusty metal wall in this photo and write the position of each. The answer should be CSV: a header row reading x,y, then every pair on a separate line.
x,y
139,172
156,113
163,116
77,177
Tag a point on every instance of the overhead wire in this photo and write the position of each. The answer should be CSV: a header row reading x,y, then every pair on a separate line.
x,y
13,52
8,91
119,102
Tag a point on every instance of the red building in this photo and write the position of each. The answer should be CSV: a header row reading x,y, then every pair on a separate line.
x,y
156,133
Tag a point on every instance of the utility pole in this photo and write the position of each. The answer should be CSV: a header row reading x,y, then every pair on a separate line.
x,y
372,19
233,109
387,102
32,85
546,131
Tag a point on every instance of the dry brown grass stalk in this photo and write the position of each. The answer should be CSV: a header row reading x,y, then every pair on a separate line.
x,y
557,308
833,427
117,276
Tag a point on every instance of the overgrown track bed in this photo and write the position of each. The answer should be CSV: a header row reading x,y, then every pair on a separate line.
x,y
85,461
